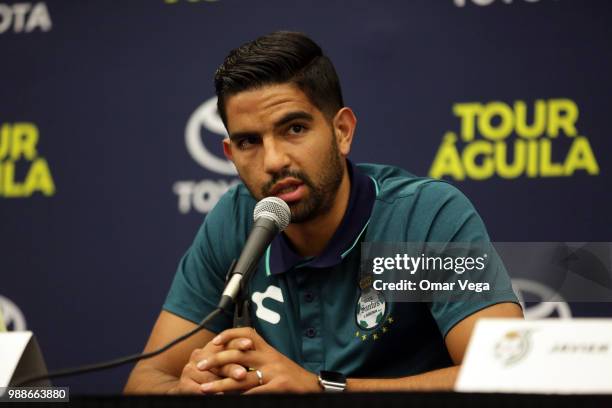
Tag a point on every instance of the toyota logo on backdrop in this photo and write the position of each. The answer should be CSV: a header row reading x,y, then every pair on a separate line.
x,y
206,116
551,305
13,317
205,128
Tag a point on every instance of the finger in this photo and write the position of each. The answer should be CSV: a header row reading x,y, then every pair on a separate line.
x,y
243,358
191,372
200,354
227,335
235,371
262,389
229,384
186,386
197,355
240,343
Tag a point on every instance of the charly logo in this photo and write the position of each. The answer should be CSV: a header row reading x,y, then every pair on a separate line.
x,y
13,318
551,304
23,171
262,312
513,347
24,17
496,139
462,3
204,129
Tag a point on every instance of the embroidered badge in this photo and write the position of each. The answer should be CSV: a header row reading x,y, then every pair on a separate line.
x,y
371,308
380,331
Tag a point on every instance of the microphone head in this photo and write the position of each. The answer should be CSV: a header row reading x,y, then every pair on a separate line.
x,y
275,209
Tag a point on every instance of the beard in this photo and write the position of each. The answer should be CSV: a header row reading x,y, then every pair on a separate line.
x,y
322,192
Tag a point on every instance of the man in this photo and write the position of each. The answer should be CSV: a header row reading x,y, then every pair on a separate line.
x,y
289,136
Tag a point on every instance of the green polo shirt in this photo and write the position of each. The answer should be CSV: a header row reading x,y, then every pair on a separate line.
x,y
308,308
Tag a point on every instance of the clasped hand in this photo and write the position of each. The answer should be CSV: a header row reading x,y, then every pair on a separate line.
x,y
219,367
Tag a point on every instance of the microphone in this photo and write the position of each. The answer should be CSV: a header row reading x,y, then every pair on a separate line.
x,y
271,215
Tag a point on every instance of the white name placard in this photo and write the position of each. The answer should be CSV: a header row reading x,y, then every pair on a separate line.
x,y
541,356
12,346
20,357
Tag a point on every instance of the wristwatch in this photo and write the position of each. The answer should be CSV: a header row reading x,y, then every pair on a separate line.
x,y
332,381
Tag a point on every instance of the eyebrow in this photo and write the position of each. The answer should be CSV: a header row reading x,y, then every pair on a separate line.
x,y
289,117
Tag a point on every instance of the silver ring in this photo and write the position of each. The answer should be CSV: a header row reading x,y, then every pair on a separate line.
x,y
259,376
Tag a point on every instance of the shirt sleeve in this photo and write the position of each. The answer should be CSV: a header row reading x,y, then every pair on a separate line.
x,y
453,219
200,276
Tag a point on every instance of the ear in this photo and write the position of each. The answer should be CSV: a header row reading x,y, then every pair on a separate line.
x,y
344,124
227,149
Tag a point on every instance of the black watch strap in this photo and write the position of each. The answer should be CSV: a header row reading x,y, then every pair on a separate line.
x,y
332,381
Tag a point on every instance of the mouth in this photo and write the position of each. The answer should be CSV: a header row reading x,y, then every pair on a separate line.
x,y
288,190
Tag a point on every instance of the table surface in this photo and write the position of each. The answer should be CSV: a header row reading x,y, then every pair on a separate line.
x,y
352,400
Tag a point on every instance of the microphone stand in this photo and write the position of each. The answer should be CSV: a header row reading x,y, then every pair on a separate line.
x,y
242,307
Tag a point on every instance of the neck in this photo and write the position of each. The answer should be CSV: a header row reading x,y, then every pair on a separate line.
x,y
311,238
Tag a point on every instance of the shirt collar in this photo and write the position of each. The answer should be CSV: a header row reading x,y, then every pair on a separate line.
x,y
280,257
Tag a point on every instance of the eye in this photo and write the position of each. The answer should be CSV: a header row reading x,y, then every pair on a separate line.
x,y
296,129
247,142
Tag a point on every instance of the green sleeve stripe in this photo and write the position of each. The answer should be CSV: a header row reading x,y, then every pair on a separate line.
x,y
268,261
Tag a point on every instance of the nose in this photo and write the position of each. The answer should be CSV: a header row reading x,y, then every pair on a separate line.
x,y
275,156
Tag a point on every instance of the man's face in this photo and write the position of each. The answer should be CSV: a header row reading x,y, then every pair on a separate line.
x,y
283,146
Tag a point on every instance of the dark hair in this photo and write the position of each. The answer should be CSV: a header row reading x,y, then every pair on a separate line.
x,y
280,57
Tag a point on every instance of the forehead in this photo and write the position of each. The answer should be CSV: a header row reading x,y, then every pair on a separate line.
x,y
265,105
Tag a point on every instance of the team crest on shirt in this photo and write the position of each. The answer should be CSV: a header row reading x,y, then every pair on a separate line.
x,y
371,307
370,313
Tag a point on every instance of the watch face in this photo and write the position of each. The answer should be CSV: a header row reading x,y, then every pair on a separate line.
x,y
332,376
